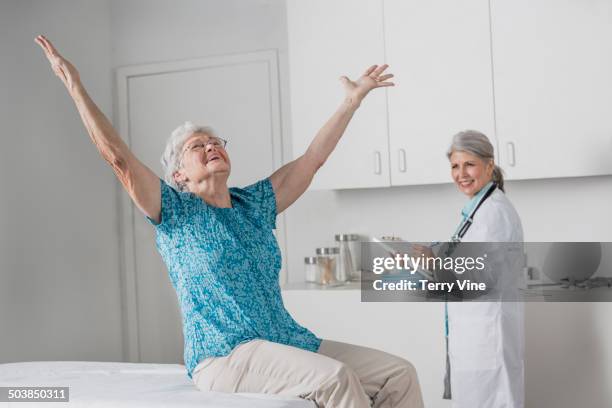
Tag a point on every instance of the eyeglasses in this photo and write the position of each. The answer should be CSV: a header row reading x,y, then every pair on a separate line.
x,y
200,145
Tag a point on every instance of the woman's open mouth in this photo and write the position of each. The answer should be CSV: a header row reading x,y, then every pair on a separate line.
x,y
213,157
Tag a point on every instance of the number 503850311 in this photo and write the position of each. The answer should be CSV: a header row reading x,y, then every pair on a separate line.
x,y
34,394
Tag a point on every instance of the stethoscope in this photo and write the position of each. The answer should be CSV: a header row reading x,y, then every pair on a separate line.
x,y
467,222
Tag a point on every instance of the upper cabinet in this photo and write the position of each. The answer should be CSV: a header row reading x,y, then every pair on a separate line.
x,y
441,54
553,87
533,75
327,39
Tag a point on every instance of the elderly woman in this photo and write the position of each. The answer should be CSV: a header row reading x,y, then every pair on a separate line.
x,y
223,260
485,339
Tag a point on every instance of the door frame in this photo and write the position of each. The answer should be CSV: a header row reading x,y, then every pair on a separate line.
x,y
129,287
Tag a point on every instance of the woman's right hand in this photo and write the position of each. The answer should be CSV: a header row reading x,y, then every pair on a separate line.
x,y
61,66
139,181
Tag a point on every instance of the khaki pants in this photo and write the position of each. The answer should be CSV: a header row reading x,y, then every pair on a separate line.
x,y
340,375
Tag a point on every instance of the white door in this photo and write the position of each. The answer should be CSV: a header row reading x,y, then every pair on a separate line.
x,y
328,39
440,52
553,86
236,95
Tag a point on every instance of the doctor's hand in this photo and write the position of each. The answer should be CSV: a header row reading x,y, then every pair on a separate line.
x,y
418,250
372,78
61,66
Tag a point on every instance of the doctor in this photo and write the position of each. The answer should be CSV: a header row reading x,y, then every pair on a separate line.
x,y
485,367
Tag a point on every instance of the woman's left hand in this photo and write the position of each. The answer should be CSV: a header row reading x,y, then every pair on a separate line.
x,y
290,181
372,78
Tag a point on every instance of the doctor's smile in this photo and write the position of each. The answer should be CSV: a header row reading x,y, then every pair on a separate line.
x,y
470,172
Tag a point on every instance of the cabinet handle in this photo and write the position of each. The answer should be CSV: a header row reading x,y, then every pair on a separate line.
x,y
511,154
402,160
377,163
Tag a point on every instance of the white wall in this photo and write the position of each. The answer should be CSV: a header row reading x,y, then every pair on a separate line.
x,y
573,209
151,31
59,277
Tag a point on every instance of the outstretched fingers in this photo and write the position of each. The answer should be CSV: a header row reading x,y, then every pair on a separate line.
x,y
40,40
382,80
48,46
43,45
53,56
49,49
379,70
370,70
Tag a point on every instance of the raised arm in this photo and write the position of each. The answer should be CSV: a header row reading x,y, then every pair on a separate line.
x,y
138,180
291,180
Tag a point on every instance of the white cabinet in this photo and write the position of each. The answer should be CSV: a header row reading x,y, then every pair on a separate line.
x,y
553,86
533,75
440,52
328,39
414,330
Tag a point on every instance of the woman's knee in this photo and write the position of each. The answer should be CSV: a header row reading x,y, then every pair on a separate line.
x,y
406,369
341,374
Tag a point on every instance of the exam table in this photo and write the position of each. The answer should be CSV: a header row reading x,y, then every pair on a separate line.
x,y
118,385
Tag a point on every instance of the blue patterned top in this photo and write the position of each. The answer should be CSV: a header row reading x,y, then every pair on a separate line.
x,y
224,265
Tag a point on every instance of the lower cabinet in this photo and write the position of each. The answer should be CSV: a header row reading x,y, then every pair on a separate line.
x,y
413,331
567,359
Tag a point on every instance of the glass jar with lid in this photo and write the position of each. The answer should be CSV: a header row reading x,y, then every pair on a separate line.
x,y
312,272
349,257
327,259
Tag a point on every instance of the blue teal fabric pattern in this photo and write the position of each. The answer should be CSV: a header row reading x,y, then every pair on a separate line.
x,y
224,264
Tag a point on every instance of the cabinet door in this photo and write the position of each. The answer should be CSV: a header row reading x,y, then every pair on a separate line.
x,y
440,52
327,39
553,86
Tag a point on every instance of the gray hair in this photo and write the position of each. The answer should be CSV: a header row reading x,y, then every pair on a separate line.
x,y
476,143
171,159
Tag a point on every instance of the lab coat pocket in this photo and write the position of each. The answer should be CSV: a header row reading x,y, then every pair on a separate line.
x,y
474,336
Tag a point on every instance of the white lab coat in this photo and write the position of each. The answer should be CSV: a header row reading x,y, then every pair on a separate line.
x,y
486,339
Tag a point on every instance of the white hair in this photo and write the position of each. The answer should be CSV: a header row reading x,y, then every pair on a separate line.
x,y
477,143
171,159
